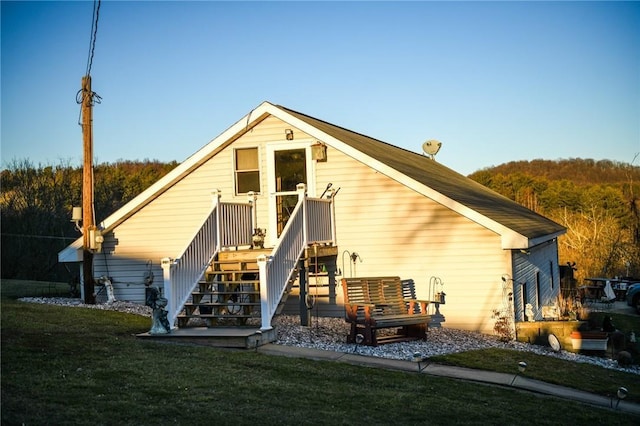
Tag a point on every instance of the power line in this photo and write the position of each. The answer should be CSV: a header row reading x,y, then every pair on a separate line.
x,y
81,95
94,33
48,237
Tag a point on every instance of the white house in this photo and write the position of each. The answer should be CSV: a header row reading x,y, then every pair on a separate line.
x,y
388,211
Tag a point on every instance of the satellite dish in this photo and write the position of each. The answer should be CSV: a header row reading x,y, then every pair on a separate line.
x,y
431,147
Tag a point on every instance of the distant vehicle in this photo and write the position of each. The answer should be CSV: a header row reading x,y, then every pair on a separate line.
x,y
633,296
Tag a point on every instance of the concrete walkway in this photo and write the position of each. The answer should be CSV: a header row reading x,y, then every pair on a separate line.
x,y
501,379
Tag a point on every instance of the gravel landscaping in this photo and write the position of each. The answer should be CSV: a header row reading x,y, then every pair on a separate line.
x,y
330,334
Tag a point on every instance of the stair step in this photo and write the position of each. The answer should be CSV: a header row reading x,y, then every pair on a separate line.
x,y
231,267
222,287
225,293
215,316
231,282
220,304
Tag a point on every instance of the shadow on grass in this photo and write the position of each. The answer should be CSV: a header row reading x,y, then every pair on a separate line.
x,y
80,366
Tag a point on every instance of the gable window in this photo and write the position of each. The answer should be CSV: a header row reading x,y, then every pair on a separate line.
x,y
247,171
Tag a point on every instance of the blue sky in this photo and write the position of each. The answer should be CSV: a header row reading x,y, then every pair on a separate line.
x,y
494,81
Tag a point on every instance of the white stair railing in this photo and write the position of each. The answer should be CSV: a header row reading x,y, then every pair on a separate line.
x,y
311,222
227,225
319,223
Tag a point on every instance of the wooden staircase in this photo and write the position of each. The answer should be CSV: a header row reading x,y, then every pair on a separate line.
x,y
229,301
229,295
225,308
321,286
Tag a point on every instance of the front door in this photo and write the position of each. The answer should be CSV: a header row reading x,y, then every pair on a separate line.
x,y
289,164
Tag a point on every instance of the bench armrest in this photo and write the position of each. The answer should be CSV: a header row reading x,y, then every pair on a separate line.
x,y
352,310
423,305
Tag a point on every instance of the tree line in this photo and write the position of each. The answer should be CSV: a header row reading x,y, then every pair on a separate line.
x,y
597,201
36,204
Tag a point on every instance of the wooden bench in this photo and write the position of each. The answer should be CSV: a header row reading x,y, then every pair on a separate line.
x,y
373,303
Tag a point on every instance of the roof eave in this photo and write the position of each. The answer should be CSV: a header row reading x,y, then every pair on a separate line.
x,y
68,254
71,253
509,238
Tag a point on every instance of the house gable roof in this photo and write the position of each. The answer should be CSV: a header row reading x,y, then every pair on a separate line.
x,y
518,226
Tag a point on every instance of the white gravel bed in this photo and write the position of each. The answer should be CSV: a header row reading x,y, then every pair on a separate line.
x,y
330,334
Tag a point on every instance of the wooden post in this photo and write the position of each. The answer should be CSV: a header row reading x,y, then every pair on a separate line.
x,y
303,278
87,189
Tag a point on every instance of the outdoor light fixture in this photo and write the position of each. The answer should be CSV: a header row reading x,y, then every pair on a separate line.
x,y
522,366
76,217
359,340
620,394
258,337
95,234
319,152
289,134
419,358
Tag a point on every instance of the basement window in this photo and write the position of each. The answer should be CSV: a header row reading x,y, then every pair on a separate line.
x,y
247,172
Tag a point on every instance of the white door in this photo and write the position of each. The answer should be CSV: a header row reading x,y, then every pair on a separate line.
x,y
288,164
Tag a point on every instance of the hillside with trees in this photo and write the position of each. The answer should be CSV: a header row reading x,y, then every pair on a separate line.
x,y
36,204
597,201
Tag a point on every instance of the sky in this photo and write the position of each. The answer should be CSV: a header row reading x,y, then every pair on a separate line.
x,y
493,81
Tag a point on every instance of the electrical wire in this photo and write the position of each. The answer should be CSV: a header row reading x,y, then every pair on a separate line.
x,y
49,237
82,94
94,33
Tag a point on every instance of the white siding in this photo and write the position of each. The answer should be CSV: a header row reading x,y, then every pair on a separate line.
x,y
542,262
164,227
399,232
395,230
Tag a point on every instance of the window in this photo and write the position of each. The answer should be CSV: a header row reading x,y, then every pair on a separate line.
x,y
247,171
551,274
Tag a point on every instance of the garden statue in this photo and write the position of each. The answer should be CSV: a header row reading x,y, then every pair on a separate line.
x,y
528,310
160,323
258,238
106,282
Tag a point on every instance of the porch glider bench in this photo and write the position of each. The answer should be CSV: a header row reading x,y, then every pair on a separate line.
x,y
373,303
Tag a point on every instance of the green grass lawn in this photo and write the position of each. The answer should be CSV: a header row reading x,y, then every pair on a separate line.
x,y
81,366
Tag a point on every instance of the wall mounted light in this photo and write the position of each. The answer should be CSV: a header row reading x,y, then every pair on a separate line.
x,y
319,152
288,134
95,234
76,217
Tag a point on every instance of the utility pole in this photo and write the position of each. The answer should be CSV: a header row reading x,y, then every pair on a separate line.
x,y
87,190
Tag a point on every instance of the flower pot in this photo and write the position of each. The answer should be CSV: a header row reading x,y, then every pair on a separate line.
x,y
589,340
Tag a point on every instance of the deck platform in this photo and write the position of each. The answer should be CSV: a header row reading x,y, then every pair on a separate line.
x,y
221,337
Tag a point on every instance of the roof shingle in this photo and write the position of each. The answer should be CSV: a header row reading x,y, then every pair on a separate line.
x,y
444,180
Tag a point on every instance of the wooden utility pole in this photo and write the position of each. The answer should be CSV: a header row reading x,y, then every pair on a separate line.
x,y
87,189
